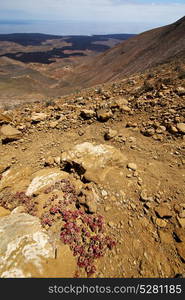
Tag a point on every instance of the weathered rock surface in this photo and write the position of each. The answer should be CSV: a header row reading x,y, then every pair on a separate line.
x,y
16,178
26,249
94,162
44,178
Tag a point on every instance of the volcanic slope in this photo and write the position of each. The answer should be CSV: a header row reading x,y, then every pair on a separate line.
x,y
135,55
103,171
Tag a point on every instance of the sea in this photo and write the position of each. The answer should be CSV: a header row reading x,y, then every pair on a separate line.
x,y
69,27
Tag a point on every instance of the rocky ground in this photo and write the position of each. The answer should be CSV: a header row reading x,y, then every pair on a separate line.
x,y
92,184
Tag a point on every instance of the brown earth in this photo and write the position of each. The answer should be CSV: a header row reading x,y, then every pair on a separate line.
x,y
117,151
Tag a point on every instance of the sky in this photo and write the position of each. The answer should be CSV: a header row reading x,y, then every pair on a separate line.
x,y
125,16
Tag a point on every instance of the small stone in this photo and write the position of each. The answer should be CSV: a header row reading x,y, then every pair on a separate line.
x,y
92,206
111,224
104,193
104,115
163,212
107,208
161,223
173,129
125,108
57,160
53,124
38,117
132,166
180,91
181,127
149,132
160,129
181,222
110,134
87,114
144,197
9,134
49,161
182,214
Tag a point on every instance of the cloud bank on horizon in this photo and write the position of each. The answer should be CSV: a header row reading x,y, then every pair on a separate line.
x,y
137,14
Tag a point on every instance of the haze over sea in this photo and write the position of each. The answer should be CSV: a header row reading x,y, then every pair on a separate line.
x,y
69,27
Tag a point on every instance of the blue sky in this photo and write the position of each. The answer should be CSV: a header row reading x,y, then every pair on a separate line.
x,y
134,15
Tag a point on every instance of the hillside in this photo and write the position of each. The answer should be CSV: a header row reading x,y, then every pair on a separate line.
x,y
32,65
92,184
139,53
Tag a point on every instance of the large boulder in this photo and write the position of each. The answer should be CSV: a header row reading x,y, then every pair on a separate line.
x,y
26,250
94,162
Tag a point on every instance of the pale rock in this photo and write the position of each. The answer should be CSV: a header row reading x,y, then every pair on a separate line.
x,y
26,250
16,178
38,117
9,134
161,223
125,108
110,134
57,160
104,115
182,214
53,124
180,90
132,166
111,224
87,113
181,127
119,103
43,179
94,162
